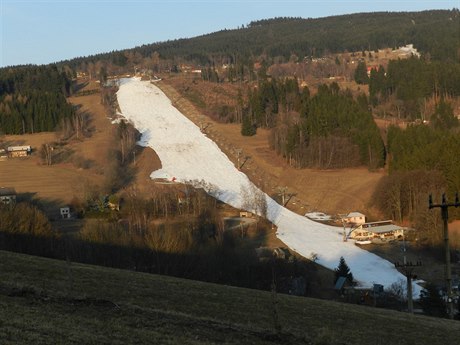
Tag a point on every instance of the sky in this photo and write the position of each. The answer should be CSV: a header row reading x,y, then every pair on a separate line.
x,y
46,31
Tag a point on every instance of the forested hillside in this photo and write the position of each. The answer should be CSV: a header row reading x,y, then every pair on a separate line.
x,y
434,33
33,99
424,160
329,130
409,83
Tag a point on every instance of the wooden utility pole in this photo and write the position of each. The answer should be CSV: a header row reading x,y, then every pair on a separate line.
x,y
444,206
408,269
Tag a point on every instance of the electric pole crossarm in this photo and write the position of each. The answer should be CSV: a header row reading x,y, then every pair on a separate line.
x,y
444,202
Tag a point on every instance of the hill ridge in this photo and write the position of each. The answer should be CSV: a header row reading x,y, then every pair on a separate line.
x,y
304,37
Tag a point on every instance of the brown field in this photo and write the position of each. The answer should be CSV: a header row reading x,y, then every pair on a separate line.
x,y
97,147
57,184
147,161
53,185
332,191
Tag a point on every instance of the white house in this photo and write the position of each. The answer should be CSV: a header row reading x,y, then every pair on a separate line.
x,y
65,212
355,218
382,231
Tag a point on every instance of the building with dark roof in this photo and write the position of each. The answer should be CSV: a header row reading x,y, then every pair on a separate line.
x,y
7,196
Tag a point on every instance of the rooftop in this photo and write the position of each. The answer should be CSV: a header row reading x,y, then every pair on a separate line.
x,y
19,148
355,214
383,228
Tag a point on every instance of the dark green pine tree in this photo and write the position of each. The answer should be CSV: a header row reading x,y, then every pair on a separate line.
x,y
432,302
377,85
443,117
343,271
247,127
361,73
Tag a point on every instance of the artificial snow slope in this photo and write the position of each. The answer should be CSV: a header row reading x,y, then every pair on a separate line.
x,y
188,155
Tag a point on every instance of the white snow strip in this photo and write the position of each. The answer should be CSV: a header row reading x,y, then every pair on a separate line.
x,y
188,155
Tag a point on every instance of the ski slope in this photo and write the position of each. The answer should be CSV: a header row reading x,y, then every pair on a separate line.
x,y
188,155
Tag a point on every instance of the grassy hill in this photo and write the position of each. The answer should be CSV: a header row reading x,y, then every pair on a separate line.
x,y
45,301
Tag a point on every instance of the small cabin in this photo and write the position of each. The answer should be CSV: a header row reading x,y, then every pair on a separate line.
x,y
7,196
246,214
345,289
65,212
19,151
355,218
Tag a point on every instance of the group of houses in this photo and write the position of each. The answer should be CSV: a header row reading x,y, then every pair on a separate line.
x,y
15,152
371,232
356,227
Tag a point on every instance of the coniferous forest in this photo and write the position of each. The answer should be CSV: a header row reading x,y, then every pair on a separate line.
x,y
412,81
433,32
33,98
329,130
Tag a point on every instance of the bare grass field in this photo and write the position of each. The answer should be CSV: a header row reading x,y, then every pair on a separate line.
x,y
94,148
57,184
54,185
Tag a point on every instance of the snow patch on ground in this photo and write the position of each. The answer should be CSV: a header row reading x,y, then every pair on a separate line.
x,y
188,155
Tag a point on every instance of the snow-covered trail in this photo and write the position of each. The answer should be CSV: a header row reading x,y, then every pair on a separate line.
x,y
188,155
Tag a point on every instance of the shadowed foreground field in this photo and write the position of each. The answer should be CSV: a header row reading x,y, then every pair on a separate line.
x,y
46,301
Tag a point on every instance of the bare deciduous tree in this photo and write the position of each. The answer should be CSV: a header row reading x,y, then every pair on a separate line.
x,y
79,123
46,153
127,135
253,200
